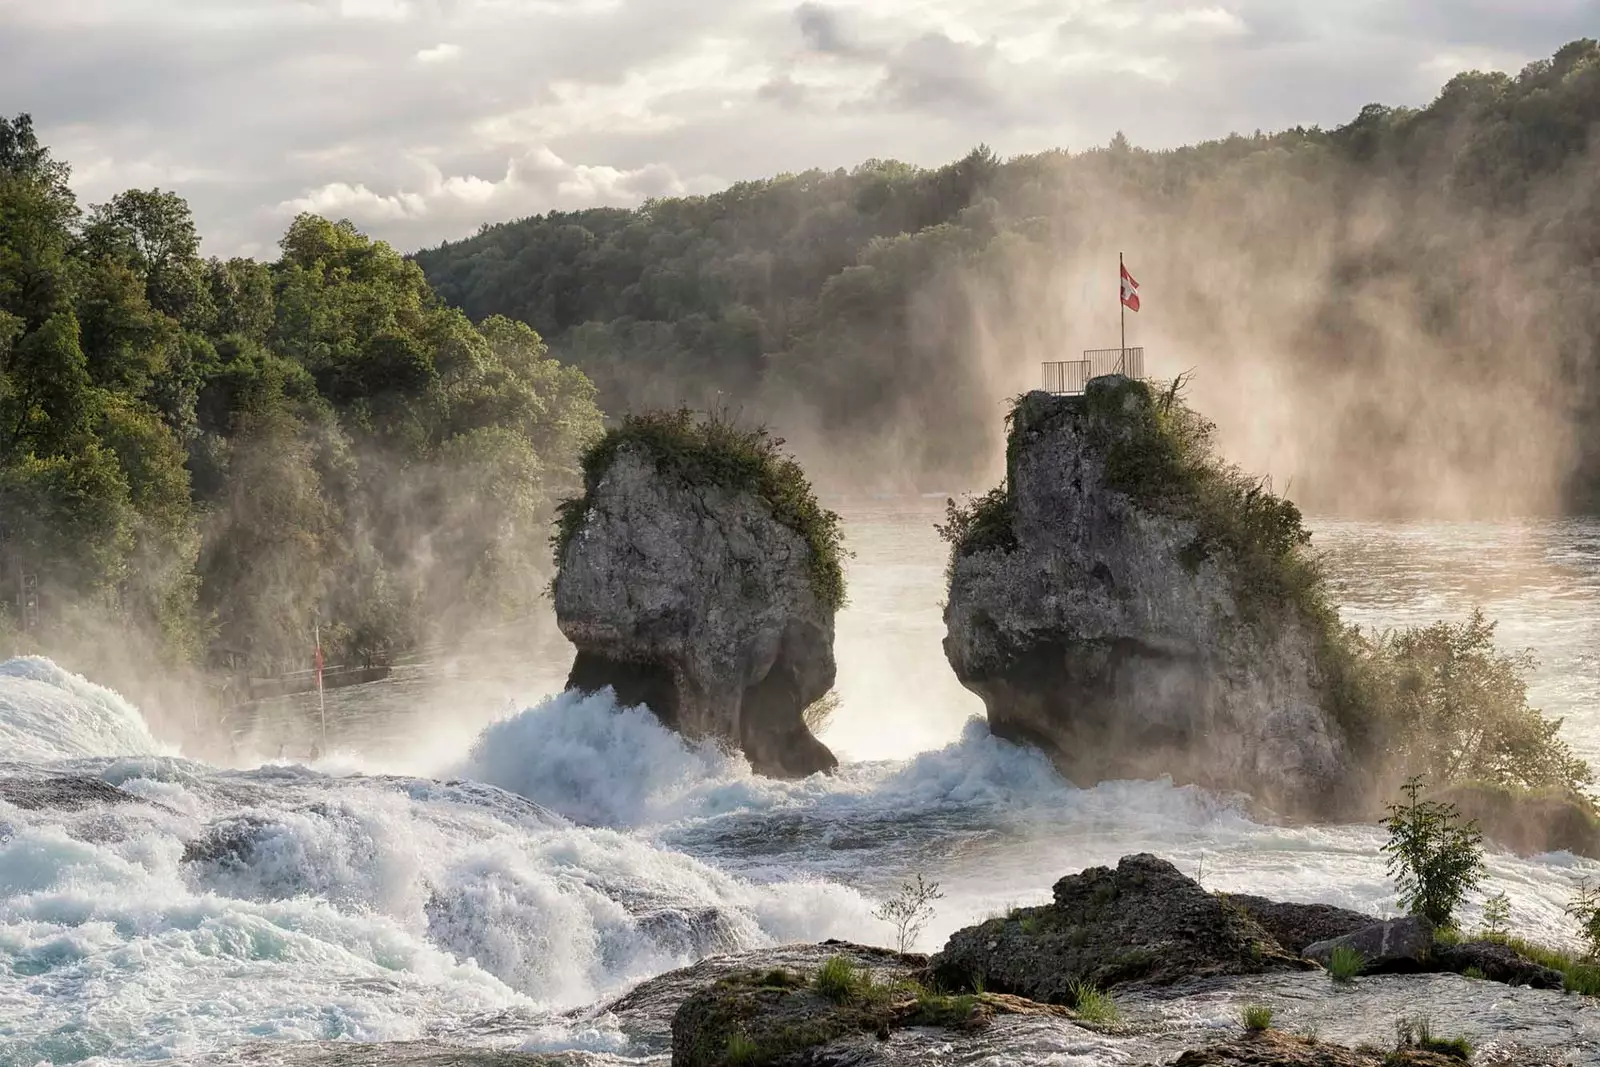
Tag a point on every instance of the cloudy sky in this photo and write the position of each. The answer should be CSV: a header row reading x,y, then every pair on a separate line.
x,y
421,119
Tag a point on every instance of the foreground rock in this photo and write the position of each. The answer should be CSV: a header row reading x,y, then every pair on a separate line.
x,y
1497,962
1135,617
1396,945
1282,1050
692,596
1144,922
1294,926
65,792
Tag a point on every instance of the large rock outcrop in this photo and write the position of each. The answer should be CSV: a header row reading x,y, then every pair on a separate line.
x,y
1143,922
693,598
1129,605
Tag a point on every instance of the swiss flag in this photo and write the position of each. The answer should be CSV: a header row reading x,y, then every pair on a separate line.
x,y
1130,291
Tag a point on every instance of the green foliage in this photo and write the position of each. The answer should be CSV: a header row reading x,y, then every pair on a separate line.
x,y
1092,1004
713,450
1585,908
208,455
1433,860
909,910
1474,973
946,1010
1256,1017
1497,917
1580,977
1346,964
981,524
742,1051
864,296
1418,1034
842,981
1456,709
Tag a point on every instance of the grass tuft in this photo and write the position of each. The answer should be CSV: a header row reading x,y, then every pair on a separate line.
x,y
1475,973
1092,1005
840,981
1581,976
1346,963
742,1052
1256,1017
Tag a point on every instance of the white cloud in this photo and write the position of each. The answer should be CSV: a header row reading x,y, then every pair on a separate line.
x,y
251,108
439,53
438,205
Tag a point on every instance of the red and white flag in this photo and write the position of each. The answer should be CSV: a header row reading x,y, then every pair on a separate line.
x,y
1130,291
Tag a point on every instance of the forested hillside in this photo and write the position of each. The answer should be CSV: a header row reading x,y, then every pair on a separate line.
x,y
199,457
1402,313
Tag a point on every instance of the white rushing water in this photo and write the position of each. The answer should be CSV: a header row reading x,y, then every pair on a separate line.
x,y
517,863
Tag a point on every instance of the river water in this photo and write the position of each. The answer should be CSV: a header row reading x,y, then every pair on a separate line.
x,y
476,854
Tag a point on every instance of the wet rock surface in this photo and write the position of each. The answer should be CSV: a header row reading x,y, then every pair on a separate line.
x,y
1395,945
1144,922
697,602
1294,926
1282,1050
1103,624
1497,963
62,793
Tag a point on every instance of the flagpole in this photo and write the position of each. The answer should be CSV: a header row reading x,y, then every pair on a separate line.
x,y
322,707
1122,365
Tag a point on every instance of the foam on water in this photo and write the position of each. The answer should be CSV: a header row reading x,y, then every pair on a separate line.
x,y
573,850
214,907
991,820
47,713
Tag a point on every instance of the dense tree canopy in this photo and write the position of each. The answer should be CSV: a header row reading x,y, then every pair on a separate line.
x,y
201,456
1419,283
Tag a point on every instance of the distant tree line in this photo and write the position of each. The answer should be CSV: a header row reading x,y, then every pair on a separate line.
x,y
1439,253
200,456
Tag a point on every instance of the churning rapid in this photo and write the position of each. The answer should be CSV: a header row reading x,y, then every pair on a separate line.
x,y
497,884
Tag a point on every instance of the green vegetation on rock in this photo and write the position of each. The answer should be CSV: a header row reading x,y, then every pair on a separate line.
x,y
713,451
199,456
763,1017
1346,964
862,295
1433,858
1256,1017
1440,701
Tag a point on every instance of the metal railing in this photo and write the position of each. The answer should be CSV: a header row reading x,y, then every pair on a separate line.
x,y
1072,376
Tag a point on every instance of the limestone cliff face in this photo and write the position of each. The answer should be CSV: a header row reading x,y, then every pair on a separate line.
x,y
1109,632
697,602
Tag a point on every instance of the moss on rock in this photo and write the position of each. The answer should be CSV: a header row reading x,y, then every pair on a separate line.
x,y
774,1017
711,451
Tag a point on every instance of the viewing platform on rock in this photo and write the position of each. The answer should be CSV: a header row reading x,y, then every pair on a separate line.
x,y
1070,377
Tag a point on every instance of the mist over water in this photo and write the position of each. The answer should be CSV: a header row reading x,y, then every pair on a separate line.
x,y
477,853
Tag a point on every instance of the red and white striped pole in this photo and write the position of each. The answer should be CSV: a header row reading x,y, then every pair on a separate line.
x,y
322,708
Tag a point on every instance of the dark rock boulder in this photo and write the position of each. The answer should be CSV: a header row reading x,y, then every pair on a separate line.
x,y
68,792
1144,922
1273,1049
1389,947
1294,926
833,1016
1497,962
1129,606
700,599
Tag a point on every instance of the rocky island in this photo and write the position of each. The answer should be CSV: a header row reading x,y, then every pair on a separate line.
x,y
1137,609
1133,965
697,575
